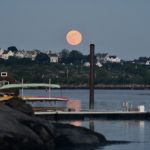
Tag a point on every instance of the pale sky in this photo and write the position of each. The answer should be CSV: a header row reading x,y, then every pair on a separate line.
x,y
117,27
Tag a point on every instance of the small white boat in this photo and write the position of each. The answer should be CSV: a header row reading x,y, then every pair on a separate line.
x,y
42,103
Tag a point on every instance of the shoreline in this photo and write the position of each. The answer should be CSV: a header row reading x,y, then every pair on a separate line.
x,y
109,86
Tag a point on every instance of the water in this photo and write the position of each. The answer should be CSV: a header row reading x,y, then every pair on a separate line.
x,y
111,100
135,131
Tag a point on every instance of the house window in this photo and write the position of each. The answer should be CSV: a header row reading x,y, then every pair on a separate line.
x,y
3,74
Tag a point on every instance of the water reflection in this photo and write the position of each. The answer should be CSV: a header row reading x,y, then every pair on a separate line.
x,y
125,124
125,130
91,124
128,130
77,123
142,130
142,124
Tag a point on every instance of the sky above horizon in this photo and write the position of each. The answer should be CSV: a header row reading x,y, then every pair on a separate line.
x,y
117,27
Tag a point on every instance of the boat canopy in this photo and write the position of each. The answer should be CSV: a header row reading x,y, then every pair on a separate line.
x,y
29,85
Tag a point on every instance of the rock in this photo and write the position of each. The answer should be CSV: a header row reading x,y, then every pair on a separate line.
x,y
20,129
76,135
20,105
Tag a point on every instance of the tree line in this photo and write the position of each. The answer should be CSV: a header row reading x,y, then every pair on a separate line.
x,y
71,70
76,73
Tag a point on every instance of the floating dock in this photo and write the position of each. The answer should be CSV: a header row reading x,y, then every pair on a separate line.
x,y
118,115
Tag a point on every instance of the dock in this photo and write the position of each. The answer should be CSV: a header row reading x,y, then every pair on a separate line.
x,y
83,115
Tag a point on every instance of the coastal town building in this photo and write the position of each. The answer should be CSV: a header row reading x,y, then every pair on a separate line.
x,y
27,54
147,62
6,54
5,79
53,58
105,57
102,57
20,54
31,54
113,59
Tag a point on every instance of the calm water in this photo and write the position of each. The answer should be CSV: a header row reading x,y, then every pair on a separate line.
x,y
107,100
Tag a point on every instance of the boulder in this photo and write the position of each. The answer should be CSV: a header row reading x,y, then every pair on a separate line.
x,y
76,135
20,129
20,105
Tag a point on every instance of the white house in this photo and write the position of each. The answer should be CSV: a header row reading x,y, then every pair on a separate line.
x,y
30,54
147,62
102,57
105,57
7,54
20,54
113,59
53,58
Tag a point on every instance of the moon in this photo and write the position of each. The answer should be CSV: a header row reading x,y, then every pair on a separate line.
x,y
74,37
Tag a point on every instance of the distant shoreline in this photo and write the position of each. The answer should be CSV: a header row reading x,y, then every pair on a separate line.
x,y
109,86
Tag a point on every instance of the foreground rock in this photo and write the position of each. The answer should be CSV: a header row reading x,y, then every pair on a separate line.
x,y
18,104
21,131
76,135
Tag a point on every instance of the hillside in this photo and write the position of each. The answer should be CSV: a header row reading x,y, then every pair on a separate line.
x,y
125,73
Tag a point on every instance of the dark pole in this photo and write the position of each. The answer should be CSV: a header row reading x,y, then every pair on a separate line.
x,y
91,83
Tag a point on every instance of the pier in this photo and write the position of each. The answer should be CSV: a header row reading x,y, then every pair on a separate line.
x,y
116,115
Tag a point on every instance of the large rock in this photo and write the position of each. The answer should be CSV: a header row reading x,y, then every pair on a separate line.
x,y
76,135
21,131
20,105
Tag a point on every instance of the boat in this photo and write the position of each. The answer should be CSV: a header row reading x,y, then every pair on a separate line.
x,y
39,103
5,96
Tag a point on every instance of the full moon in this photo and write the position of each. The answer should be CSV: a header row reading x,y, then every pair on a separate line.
x,y
74,37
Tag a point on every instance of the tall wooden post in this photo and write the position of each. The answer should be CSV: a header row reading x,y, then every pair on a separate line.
x,y
91,81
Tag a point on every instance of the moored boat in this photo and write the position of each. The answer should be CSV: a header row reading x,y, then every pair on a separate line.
x,y
41,103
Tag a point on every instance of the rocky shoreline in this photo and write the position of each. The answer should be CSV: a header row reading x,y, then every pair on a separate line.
x,y
20,129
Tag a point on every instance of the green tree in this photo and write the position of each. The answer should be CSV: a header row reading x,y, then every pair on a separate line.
x,y
75,57
12,48
64,56
41,57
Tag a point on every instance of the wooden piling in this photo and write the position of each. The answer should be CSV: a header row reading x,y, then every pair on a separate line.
x,y
91,77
